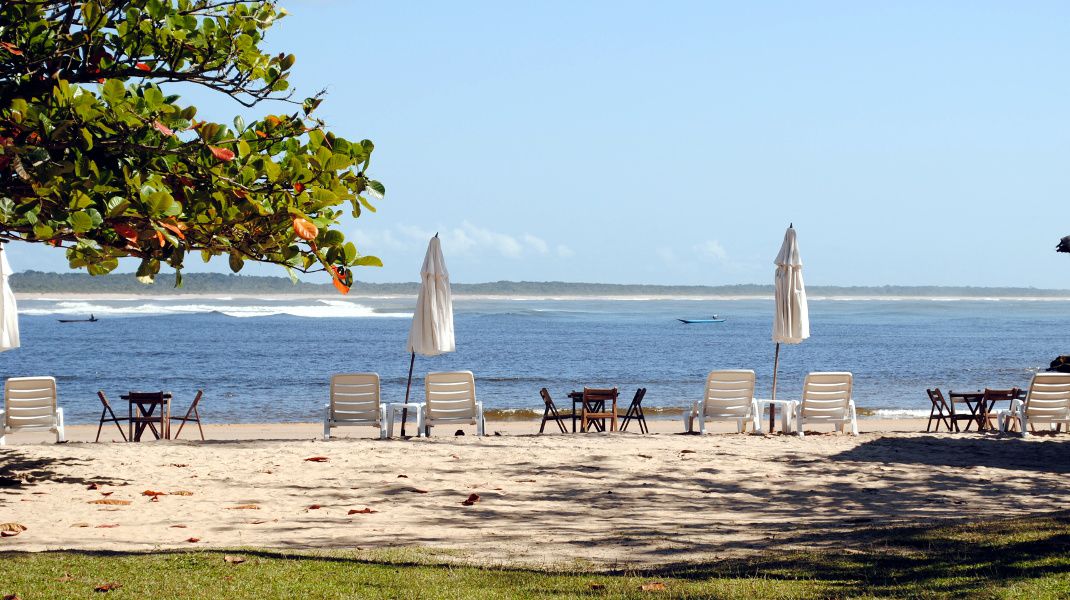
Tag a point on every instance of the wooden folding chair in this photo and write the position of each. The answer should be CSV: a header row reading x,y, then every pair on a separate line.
x,y
594,408
941,412
971,402
105,419
635,412
195,418
990,411
550,413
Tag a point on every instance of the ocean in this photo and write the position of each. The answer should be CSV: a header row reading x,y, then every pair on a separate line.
x,y
270,359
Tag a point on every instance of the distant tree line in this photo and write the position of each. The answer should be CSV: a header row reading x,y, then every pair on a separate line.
x,y
214,283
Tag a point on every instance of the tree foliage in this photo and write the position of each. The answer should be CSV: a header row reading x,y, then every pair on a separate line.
x,y
99,158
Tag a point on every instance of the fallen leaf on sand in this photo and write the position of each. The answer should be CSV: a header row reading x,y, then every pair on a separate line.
x,y
653,586
363,511
525,481
9,533
687,452
418,491
317,459
107,525
244,507
79,524
107,587
472,499
13,528
179,526
155,499
258,522
645,456
315,507
110,501
181,493
233,559
193,540
179,465
106,494
455,457
403,476
153,493
93,486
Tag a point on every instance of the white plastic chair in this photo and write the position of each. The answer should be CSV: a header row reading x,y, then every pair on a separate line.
x,y
826,399
1048,401
354,401
451,398
729,396
30,405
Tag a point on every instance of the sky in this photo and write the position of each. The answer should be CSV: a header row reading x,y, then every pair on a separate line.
x,y
910,143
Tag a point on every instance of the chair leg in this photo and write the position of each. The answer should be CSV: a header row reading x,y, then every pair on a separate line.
x,y
101,425
61,435
326,423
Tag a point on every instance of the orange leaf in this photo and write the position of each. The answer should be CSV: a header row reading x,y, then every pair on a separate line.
x,y
175,228
180,526
337,279
181,493
130,234
260,134
161,238
305,229
193,540
164,129
107,525
653,586
317,459
222,154
107,587
363,511
240,193
472,499
299,187
272,120
11,48
142,67
315,506
110,501
153,493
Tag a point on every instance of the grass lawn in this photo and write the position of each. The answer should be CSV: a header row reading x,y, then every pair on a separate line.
x,y
1020,558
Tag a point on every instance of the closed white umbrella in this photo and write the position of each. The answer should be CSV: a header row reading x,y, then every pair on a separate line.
x,y
791,322
9,311
432,322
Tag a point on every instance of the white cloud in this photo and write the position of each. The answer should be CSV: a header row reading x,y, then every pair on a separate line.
x,y
564,251
467,239
536,243
712,251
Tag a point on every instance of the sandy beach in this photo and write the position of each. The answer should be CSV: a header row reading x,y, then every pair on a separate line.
x,y
597,499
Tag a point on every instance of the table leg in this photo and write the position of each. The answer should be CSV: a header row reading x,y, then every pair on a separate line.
x,y
772,417
614,415
130,422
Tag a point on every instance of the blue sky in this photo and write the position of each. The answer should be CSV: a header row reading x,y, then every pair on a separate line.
x,y
910,143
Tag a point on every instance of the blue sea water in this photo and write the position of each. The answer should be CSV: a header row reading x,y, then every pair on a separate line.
x,y
270,360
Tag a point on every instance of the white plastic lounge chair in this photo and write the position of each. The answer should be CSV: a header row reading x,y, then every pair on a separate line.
x,y
354,401
451,398
1048,402
826,398
30,405
729,396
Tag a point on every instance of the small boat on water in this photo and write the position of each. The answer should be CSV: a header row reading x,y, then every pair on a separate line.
x,y
91,319
713,319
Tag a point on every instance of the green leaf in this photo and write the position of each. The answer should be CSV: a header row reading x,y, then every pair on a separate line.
x,y
147,270
81,222
369,261
236,262
114,91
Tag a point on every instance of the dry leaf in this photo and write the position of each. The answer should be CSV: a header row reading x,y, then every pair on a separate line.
x,y
12,527
107,587
193,540
233,559
12,597
110,501
419,491
645,456
106,494
80,525
93,486
244,507
363,511
472,499
9,533
152,493
597,586
403,476
181,493
317,459
107,525
155,499
687,452
179,465
258,522
315,507
653,586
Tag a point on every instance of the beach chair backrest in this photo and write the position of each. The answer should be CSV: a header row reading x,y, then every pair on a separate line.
x,y
729,393
30,402
1049,396
450,395
826,395
355,397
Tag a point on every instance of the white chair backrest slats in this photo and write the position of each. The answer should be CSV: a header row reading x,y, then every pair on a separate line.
x,y
355,397
826,395
451,395
729,394
1049,396
30,402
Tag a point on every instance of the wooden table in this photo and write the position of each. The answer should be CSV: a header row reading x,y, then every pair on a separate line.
x,y
975,402
144,415
577,398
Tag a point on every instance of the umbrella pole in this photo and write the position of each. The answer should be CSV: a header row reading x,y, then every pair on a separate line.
x,y
772,406
405,411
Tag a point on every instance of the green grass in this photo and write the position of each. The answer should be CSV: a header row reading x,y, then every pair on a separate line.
x,y
1021,558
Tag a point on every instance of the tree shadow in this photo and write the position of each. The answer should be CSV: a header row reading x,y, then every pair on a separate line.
x,y
20,471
